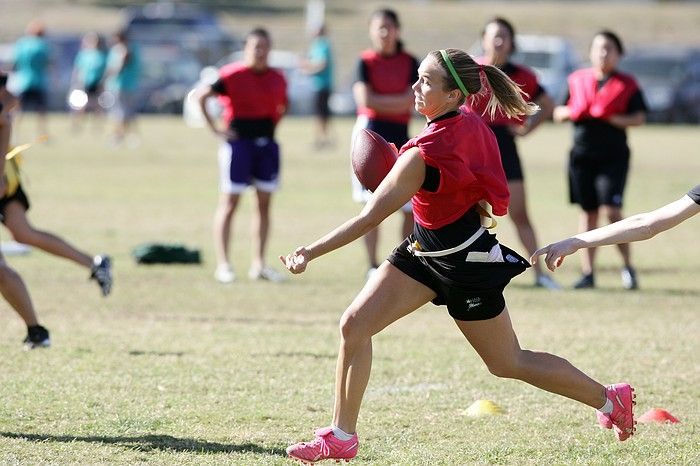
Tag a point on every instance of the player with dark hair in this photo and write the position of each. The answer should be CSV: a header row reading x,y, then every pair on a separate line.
x,y
254,97
446,171
635,228
31,61
602,103
12,286
14,205
498,41
384,101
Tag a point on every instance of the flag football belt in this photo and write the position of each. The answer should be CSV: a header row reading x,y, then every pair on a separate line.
x,y
416,250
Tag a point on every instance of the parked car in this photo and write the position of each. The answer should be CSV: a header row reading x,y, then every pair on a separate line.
x,y
670,81
552,58
191,27
168,73
299,87
686,99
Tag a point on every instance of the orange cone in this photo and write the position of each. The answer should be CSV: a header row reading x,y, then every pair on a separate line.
x,y
658,415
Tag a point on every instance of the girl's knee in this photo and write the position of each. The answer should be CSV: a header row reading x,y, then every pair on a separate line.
x,y
6,273
22,236
506,367
352,326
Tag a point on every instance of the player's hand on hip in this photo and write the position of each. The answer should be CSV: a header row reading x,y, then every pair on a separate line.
x,y
296,262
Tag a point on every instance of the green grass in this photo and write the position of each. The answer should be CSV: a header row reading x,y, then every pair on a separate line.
x,y
174,368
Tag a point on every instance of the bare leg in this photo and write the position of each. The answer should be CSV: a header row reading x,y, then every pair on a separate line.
x,y
371,240
385,298
588,220
15,292
407,225
42,123
518,214
495,341
222,226
324,131
260,229
18,224
614,214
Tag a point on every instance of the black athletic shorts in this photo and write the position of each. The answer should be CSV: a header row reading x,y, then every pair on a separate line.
x,y
18,196
322,108
470,290
509,153
597,180
33,100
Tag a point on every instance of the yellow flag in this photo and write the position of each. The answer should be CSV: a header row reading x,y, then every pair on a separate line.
x,y
13,160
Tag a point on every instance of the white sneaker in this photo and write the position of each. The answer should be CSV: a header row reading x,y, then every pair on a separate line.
x,y
266,273
224,274
629,278
370,273
547,282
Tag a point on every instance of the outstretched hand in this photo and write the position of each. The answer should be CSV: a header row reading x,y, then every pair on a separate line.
x,y
296,262
554,253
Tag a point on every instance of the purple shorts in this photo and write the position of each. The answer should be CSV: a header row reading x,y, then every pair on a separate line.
x,y
246,162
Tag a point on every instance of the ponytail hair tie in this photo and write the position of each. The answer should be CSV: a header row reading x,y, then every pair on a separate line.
x,y
453,72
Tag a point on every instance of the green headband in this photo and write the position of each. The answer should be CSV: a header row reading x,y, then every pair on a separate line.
x,y
453,72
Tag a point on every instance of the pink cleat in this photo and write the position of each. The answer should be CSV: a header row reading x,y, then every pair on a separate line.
x,y
621,418
325,446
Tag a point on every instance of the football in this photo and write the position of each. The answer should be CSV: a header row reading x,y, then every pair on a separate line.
x,y
372,158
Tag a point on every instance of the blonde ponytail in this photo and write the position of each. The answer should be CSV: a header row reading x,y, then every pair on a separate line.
x,y
506,94
464,73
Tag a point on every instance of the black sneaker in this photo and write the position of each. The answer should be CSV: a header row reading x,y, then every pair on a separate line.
x,y
101,272
629,278
37,337
586,281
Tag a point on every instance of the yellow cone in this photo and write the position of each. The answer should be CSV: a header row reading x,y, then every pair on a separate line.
x,y
484,408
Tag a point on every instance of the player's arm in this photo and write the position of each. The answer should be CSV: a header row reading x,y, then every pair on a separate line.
x,y
635,228
202,95
546,104
382,103
561,113
314,65
402,182
624,121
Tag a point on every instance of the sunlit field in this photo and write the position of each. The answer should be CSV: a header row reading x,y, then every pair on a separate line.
x,y
174,368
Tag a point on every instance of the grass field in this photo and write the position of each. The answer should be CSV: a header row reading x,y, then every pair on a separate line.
x,y
174,368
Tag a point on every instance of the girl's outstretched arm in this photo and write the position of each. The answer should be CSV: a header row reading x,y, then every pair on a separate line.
x,y
635,228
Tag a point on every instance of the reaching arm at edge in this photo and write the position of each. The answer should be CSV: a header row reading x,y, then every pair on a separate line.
x,y
635,228
402,182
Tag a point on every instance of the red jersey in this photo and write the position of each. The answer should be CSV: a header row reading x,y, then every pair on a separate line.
x,y
387,75
465,152
250,94
587,101
522,76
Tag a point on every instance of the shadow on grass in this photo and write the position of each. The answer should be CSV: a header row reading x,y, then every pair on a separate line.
x,y
153,442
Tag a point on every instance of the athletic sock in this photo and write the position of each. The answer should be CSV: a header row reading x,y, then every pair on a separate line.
x,y
607,407
340,434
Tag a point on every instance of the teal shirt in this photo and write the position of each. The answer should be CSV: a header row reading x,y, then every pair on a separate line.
x,y
128,77
320,50
31,58
90,65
